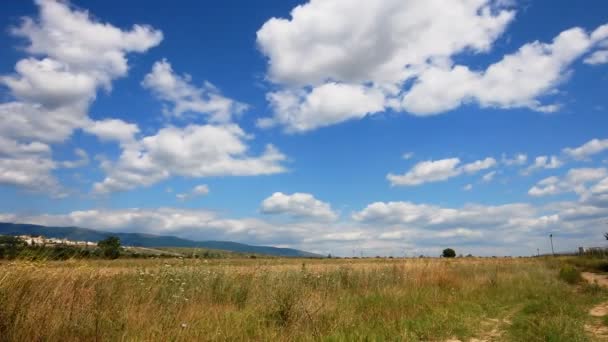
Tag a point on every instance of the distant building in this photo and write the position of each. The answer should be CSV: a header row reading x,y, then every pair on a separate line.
x,y
593,250
42,241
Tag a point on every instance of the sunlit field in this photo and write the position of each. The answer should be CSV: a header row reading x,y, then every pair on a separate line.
x,y
293,299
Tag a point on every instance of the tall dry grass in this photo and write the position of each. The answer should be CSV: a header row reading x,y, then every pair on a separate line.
x,y
290,299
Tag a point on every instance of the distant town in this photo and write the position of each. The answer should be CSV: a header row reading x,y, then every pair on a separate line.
x,y
44,241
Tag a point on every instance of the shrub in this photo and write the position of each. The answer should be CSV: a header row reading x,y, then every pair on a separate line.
x,y
570,275
110,247
448,253
10,246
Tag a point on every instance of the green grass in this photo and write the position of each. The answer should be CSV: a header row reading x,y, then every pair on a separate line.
x,y
587,263
570,274
292,299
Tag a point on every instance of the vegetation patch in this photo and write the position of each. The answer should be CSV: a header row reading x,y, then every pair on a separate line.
x,y
278,299
570,274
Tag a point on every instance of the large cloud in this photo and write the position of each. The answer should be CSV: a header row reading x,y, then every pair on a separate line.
x,y
192,151
435,216
373,52
376,41
300,205
71,57
518,80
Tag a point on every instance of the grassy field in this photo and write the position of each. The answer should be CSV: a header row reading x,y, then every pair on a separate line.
x,y
294,299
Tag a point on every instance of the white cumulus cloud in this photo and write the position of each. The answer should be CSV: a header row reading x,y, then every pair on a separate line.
x,y
193,151
438,170
184,97
71,56
593,146
399,54
298,205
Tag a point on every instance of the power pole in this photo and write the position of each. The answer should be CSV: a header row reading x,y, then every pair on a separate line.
x,y
538,252
551,238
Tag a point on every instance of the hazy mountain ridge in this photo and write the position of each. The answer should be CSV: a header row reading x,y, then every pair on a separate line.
x,y
144,240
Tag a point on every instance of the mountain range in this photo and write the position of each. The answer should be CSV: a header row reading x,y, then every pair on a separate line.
x,y
144,240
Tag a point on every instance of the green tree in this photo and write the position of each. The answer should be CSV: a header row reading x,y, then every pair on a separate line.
x,y
10,246
110,247
448,253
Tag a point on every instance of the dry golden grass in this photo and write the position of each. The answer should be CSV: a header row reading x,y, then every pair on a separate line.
x,y
291,299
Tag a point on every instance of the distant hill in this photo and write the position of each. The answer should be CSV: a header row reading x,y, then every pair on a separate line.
x,y
144,240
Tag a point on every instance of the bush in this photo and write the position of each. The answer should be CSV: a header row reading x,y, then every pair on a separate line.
x,y
448,253
570,275
110,247
10,246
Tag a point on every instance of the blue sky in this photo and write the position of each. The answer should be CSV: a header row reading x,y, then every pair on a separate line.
x,y
384,127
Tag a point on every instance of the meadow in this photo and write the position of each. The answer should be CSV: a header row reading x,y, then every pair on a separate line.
x,y
427,299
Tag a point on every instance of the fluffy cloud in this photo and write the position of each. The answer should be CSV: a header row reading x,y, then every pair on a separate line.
x,y
325,105
479,165
183,97
588,149
76,40
71,57
300,205
382,43
511,227
199,190
427,171
576,180
77,56
112,130
515,81
375,41
193,151
372,51
430,215
518,159
30,166
27,165
597,194
438,170
600,56
543,162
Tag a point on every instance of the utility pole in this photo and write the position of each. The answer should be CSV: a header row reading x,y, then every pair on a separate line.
x,y
551,238
538,252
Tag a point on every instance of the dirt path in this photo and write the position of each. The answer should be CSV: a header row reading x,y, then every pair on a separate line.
x,y
594,278
597,328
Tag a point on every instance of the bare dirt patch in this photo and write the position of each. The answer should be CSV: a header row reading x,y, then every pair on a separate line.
x,y
596,328
594,278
